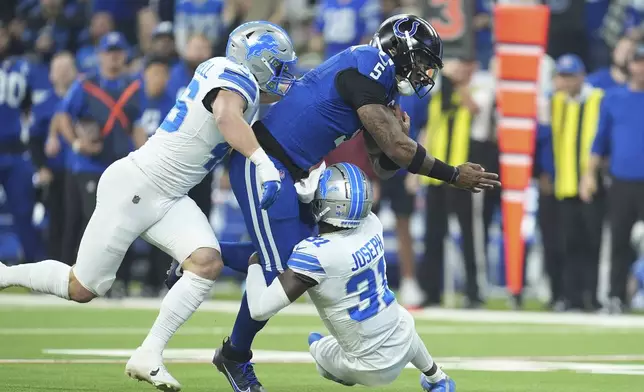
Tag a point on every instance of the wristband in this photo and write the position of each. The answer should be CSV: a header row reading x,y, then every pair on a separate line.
x,y
444,172
418,159
259,157
387,164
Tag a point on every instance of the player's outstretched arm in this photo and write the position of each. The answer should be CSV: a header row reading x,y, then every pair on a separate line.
x,y
228,109
389,133
264,302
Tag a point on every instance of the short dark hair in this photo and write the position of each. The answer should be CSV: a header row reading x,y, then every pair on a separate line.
x,y
152,60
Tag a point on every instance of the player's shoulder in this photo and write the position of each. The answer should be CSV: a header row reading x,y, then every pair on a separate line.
x,y
223,72
373,62
372,222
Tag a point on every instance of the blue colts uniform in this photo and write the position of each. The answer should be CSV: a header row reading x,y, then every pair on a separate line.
x,y
307,124
297,132
16,169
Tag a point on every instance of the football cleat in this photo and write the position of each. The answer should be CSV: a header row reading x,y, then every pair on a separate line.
x,y
444,385
240,374
147,366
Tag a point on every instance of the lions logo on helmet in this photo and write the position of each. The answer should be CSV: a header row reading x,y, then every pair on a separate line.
x,y
267,51
344,196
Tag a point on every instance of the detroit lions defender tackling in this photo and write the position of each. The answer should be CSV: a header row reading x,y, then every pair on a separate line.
x,y
144,194
329,105
344,271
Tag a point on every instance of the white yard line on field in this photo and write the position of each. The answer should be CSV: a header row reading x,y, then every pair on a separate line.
x,y
439,314
305,330
534,364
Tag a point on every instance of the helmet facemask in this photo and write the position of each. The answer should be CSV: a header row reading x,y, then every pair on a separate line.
x,y
416,70
282,79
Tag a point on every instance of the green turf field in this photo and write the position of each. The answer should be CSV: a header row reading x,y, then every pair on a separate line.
x,y
48,347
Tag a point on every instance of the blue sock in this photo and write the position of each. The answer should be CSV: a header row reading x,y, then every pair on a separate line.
x,y
236,255
245,329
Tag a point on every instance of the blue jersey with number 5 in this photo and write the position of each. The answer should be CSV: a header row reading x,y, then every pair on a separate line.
x,y
312,119
352,295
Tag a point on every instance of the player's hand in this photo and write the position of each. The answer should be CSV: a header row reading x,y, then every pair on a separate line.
x,y
587,188
253,259
88,147
52,146
473,177
269,177
403,117
44,176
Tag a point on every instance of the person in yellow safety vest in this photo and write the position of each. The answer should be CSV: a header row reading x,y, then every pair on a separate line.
x,y
458,130
567,127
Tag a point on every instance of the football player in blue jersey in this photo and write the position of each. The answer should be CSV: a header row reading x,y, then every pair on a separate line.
x,y
16,169
350,91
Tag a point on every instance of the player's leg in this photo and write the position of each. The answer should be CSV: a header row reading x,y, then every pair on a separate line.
x,y
185,234
330,361
432,378
274,234
116,222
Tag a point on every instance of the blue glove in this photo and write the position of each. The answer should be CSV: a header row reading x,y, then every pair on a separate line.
x,y
269,177
271,192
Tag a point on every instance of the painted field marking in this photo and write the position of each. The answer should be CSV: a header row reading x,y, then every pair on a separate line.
x,y
305,330
439,314
486,364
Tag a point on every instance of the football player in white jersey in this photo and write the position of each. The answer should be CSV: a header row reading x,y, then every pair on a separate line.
x,y
344,271
144,194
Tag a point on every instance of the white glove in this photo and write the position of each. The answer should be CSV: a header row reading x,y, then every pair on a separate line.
x,y
306,187
268,176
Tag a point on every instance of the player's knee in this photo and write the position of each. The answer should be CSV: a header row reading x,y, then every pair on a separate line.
x,y
77,292
204,262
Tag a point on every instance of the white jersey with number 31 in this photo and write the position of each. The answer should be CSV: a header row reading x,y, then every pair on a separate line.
x,y
188,144
352,295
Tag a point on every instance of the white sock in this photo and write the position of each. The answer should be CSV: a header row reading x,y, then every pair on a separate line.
x,y
48,276
423,361
179,304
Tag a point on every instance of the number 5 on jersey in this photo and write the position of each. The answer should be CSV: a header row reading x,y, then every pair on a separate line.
x,y
379,67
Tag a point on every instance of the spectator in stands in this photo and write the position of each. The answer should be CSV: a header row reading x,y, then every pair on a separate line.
x,y
458,126
483,28
616,74
599,53
49,28
157,100
341,24
619,140
163,46
124,14
401,192
86,56
204,17
566,131
98,130
16,169
51,174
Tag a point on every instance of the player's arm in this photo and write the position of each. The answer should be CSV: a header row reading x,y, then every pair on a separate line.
x,y
368,97
264,302
228,109
227,104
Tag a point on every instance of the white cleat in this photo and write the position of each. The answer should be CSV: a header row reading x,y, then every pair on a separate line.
x,y
147,366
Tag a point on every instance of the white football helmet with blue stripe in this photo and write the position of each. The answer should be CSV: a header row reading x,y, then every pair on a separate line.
x,y
344,196
267,51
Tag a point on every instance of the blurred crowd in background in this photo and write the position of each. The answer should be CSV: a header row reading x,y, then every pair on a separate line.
x,y
100,67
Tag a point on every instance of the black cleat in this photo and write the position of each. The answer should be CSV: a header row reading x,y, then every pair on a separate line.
x,y
238,369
